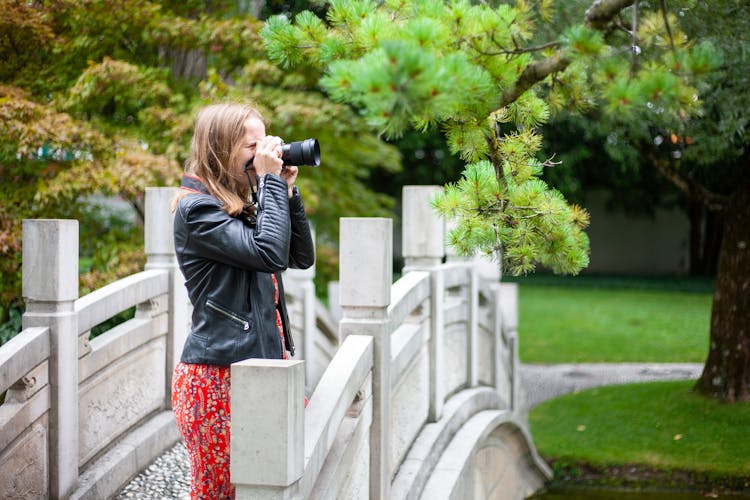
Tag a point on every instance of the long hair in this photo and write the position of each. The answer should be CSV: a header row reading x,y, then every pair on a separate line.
x,y
214,150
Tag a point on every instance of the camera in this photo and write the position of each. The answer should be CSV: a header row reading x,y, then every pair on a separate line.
x,y
301,153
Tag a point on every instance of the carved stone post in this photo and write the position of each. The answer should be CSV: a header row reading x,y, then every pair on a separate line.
x,y
160,253
423,237
423,229
268,428
50,289
365,276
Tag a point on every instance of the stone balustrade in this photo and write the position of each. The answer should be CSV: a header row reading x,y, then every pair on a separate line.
x,y
395,371
81,416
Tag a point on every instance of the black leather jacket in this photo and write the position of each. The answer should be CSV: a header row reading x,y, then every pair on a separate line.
x,y
227,263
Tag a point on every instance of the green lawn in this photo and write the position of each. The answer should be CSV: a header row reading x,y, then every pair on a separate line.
x,y
663,429
663,425
613,321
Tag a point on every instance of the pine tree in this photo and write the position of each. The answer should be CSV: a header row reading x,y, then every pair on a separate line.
x,y
477,72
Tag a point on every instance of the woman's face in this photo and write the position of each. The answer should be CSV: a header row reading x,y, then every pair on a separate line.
x,y
254,132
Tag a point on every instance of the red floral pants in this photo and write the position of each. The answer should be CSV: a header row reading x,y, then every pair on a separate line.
x,y
200,400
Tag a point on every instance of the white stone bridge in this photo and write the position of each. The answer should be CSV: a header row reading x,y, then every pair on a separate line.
x,y
414,384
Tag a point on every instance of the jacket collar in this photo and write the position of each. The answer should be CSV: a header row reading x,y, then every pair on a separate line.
x,y
193,183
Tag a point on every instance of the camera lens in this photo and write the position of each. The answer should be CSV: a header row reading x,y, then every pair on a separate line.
x,y
301,153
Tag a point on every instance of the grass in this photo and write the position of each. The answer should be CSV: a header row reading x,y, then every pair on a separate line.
x,y
590,320
662,425
650,435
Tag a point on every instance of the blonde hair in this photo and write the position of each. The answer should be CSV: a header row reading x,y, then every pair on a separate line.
x,y
216,144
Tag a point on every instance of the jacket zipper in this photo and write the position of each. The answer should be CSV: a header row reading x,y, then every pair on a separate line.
x,y
245,324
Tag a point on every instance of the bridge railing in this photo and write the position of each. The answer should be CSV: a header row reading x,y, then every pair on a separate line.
x,y
72,402
435,332
81,416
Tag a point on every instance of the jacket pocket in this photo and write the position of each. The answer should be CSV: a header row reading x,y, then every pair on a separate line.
x,y
227,314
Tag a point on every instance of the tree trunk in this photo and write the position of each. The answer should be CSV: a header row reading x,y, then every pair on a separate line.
x,y
726,375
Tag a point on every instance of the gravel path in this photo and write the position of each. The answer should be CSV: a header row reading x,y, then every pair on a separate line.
x,y
169,476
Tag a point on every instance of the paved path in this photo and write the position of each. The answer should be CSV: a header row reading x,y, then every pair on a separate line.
x,y
169,476
542,382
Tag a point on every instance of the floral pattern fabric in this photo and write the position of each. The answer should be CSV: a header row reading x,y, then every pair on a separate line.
x,y
200,400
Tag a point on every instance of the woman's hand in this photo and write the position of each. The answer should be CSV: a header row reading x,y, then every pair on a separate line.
x,y
268,156
289,174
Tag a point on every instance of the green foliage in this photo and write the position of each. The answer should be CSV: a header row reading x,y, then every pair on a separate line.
x,y
104,105
584,41
523,222
117,90
401,84
455,65
12,327
617,149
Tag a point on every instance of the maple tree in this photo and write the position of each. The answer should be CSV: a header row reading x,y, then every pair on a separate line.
x,y
97,98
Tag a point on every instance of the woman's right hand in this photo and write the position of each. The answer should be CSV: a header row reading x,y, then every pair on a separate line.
x,y
268,156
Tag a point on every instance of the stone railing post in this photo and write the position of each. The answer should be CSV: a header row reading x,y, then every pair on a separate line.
x,y
268,428
365,277
50,289
423,239
303,280
422,228
160,254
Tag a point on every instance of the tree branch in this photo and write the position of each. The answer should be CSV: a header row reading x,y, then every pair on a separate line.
x,y
518,50
666,23
534,73
598,16
690,187
601,12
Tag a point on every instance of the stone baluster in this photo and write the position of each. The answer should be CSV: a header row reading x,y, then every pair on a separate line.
x,y
472,343
334,302
509,312
268,428
422,228
160,254
423,240
365,278
50,289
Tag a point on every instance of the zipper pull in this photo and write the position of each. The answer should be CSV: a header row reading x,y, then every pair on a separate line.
x,y
246,325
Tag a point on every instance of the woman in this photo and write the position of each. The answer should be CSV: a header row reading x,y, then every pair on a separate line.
x,y
239,221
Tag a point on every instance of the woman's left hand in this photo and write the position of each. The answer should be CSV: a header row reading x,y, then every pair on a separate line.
x,y
289,174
